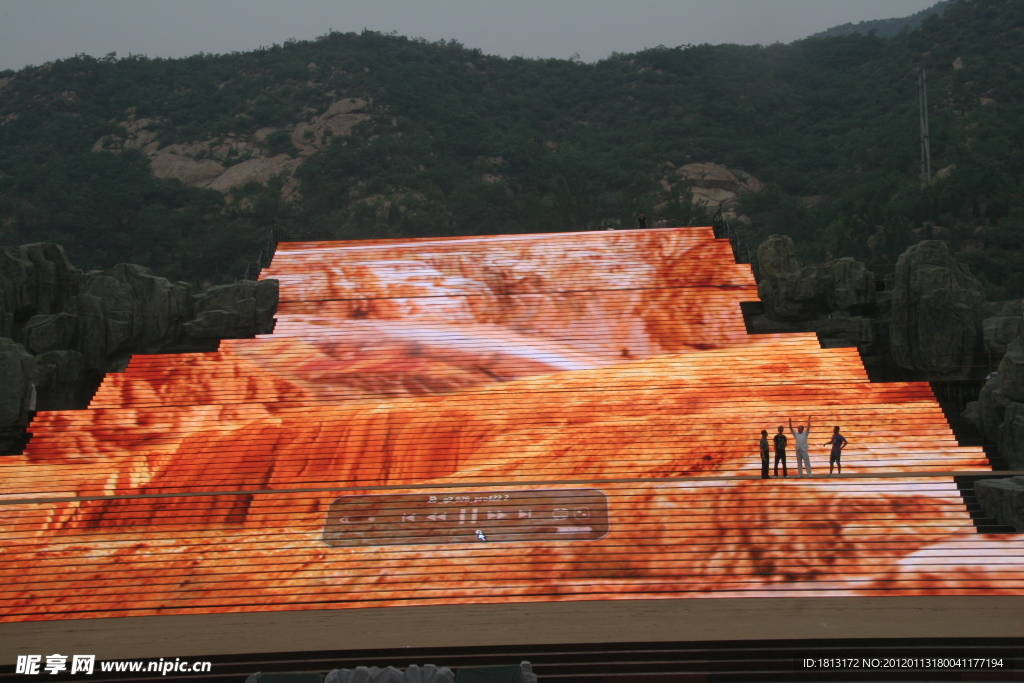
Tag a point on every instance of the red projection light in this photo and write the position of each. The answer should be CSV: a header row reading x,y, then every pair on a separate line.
x,y
489,419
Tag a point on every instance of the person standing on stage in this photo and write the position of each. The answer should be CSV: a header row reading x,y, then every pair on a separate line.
x,y
838,442
780,452
641,221
802,456
763,443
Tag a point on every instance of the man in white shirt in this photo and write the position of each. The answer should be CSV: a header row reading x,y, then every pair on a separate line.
x,y
800,436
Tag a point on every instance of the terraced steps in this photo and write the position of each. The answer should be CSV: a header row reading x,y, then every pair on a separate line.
x,y
517,419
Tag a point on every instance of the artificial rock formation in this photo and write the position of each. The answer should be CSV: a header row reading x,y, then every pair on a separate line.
x,y
932,319
933,323
36,278
937,309
829,299
61,329
792,292
1002,499
16,397
999,412
1001,325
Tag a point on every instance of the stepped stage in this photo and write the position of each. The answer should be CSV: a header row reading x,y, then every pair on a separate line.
x,y
486,440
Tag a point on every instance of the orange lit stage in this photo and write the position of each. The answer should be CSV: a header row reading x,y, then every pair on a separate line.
x,y
506,419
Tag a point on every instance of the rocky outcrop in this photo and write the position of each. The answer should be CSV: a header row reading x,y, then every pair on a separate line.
x,y
1001,324
254,170
36,278
831,300
231,161
1002,499
191,172
929,322
713,185
839,325
792,292
16,399
999,412
246,308
999,332
717,186
850,286
126,310
61,329
937,309
62,380
932,319
339,119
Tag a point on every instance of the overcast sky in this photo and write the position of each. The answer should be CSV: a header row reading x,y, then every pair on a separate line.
x,y
38,31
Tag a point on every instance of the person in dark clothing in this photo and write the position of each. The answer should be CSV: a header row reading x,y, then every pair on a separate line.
x,y
780,452
838,443
763,443
641,221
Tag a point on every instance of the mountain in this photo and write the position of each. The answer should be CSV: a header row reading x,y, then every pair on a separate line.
x,y
886,28
187,165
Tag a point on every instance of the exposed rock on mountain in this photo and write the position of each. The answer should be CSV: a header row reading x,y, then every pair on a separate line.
x,y
713,185
61,329
339,119
208,163
190,171
259,170
937,309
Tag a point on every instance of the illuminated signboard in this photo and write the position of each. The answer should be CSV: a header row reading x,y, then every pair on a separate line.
x,y
467,517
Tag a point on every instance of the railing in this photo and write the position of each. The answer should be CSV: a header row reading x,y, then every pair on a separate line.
x,y
281,234
740,251
252,270
958,393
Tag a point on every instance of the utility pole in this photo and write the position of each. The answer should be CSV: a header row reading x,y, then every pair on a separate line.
x,y
926,149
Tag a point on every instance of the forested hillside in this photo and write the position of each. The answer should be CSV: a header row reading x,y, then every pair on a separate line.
x,y
886,27
185,165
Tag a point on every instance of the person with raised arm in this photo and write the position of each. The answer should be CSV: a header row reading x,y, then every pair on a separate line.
x,y
800,436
